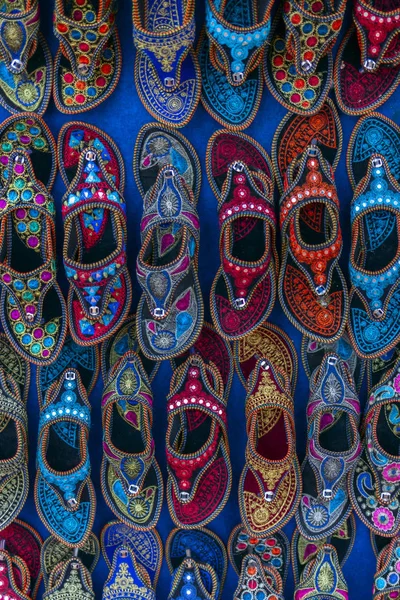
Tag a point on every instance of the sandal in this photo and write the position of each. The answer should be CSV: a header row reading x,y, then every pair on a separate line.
x,y
299,64
64,493
244,288
367,66
230,51
199,468
167,73
131,479
270,483
312,289
22,542
25,59
95,233
127,578
14,577
54,552
170,313
190,573
387,577
379,366
333,415
322,577
32,311
145,545
255,576
70,579
87,66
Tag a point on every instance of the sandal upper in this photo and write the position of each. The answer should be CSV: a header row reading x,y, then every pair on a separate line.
x,y
18,35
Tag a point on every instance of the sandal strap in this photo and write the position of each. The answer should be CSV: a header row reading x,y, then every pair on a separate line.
x,y
12,407
309,587
377,31
180,580
18,34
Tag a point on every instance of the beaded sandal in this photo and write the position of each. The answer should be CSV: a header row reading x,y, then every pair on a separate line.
x,y
131,479
387,577
95,233
304,551
127,578
367,67
170,313
255,576
230,51
312,289
298,66
32,311
25,60
167,73
374,484
87,66
205,548
273,551
190,573
270,484
145,545
64,494
244,288
70,579
333,415
322,578
54,552
199,468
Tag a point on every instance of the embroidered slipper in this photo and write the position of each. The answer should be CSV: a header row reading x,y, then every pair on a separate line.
x,y
273,551
312,289
87,65
387,577
25,60
374,483
167,72
379,366
146,546
191,575
268,341
131,479
14,574
303,551
322,577
64,493
333,415
213,349
95,232
32,310
127,578
312,354
296,132
23,542
70,579
298,65
54,552
204,547
199,467
244,288
255,576
270,483
230,50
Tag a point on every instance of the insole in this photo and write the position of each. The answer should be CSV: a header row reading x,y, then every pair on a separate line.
x,y
8,445
165,246
162,16
61,456
337,437
195,438
273,444
381,240
125,437
23,258
239,13
388,441
314,223
250,238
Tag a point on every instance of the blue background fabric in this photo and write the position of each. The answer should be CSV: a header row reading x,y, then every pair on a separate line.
x,y
121,116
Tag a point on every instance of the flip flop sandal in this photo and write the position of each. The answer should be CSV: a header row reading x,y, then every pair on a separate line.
x,y
303,551
70,579
268,341
127,578
270,483
374,483
230,50
54,552
13,572
199,467
87,65
387,577
255,576
190,573
322,577
167,72
378,367
22,541
213,349
64,493
333,447
95,232
121,342
84,359
145,545
299,64
273,551
296,132
25,59
131,479
312,354
244,288
312,289
205,548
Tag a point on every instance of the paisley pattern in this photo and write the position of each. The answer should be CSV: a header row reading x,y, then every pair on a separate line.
x,y
70,581
324,579
127,579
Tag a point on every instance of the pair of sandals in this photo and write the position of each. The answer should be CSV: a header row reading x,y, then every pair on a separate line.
x,y
87,65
